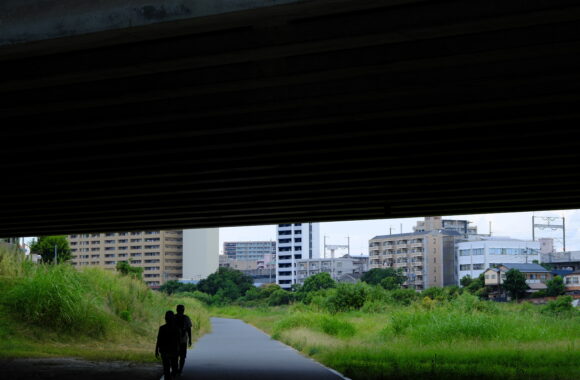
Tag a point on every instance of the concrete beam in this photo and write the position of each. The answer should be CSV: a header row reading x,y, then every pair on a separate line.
x,y
23,21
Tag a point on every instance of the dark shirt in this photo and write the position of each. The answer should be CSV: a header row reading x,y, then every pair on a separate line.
x,y
168,339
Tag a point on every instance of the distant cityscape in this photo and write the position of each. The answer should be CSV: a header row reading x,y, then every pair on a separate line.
x,y
438,252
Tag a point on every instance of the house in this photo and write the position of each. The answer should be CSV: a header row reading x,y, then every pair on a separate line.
x,y
536,275
572,282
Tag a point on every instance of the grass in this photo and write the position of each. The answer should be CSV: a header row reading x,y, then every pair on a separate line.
x,y
94,314
461,339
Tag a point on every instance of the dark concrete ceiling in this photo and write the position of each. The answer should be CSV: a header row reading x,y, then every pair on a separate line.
x,y
319,111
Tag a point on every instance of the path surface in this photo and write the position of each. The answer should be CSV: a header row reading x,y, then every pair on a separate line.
x,y
235,350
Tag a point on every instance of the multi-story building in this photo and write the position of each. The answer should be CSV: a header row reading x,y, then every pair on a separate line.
x,y
336,268
295,242
436,223
268,261
478,253
426,256
249,250
159,253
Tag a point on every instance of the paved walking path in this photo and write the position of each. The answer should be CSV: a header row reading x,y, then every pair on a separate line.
x,y
237,351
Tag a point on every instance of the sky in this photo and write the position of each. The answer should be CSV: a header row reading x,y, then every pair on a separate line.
x,y
515,225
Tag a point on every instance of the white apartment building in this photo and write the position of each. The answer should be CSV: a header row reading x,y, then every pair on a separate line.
x,y
479,253
295,241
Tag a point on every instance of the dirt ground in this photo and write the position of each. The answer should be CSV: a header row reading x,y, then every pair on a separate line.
x,y
69,369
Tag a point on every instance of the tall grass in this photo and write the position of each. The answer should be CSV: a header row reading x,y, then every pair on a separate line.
x,y
464,338
97,311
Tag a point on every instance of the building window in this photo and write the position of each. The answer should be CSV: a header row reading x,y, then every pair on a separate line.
x,y
465,267
478,267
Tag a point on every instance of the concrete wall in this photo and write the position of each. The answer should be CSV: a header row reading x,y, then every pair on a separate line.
x,y
32,20
200,253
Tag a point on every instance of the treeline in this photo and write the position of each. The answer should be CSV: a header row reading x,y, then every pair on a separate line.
x,y
377,289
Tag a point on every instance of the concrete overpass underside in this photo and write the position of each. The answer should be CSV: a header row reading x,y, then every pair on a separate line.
x,y
282,111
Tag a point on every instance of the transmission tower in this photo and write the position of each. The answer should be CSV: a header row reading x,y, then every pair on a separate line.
x,y
550,223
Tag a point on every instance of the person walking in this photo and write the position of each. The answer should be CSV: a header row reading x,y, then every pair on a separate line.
x,y
168,341
184,324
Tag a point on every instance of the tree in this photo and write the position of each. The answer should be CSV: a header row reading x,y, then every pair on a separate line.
x,y
45,247
515,283
555,286
392,282
466,281
376,275
317,282
227,283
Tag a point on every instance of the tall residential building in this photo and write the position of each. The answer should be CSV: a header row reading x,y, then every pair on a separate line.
x,y
163,255
295,242
426,256
479,253
437,223
159,253
200,253
249,250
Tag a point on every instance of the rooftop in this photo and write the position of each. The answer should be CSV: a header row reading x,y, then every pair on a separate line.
x,y
526,267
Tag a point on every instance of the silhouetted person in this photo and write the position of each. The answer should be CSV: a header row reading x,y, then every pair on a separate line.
x,y
184,324
168,340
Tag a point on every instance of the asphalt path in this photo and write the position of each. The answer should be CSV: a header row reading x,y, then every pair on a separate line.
x,y
235,350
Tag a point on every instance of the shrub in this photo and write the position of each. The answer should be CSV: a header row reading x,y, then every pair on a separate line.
x,y
280,297
317,282
404,296
347,297
559,306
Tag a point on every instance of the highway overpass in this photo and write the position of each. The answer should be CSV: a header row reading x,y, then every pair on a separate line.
x,y
121,115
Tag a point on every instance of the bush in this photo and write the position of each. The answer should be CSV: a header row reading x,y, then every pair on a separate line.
x,y
404,296
559,306
347,297
280,297
317,282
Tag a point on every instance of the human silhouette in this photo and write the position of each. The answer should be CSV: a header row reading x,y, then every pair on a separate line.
x,y
168,339
183,322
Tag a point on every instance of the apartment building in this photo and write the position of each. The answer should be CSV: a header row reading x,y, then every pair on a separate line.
x,y
336,268
478,253
426,256
295,241
249,250
159,253
436,222
268,261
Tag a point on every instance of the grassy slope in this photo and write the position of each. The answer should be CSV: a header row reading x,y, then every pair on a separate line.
x,y
461,340
94,314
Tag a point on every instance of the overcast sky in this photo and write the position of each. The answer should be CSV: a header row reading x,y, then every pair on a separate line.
x,y
516,225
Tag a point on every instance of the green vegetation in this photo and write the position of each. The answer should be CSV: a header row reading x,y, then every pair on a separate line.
x,y
555,286
45,246
388,278
55,310
368,332
515,284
